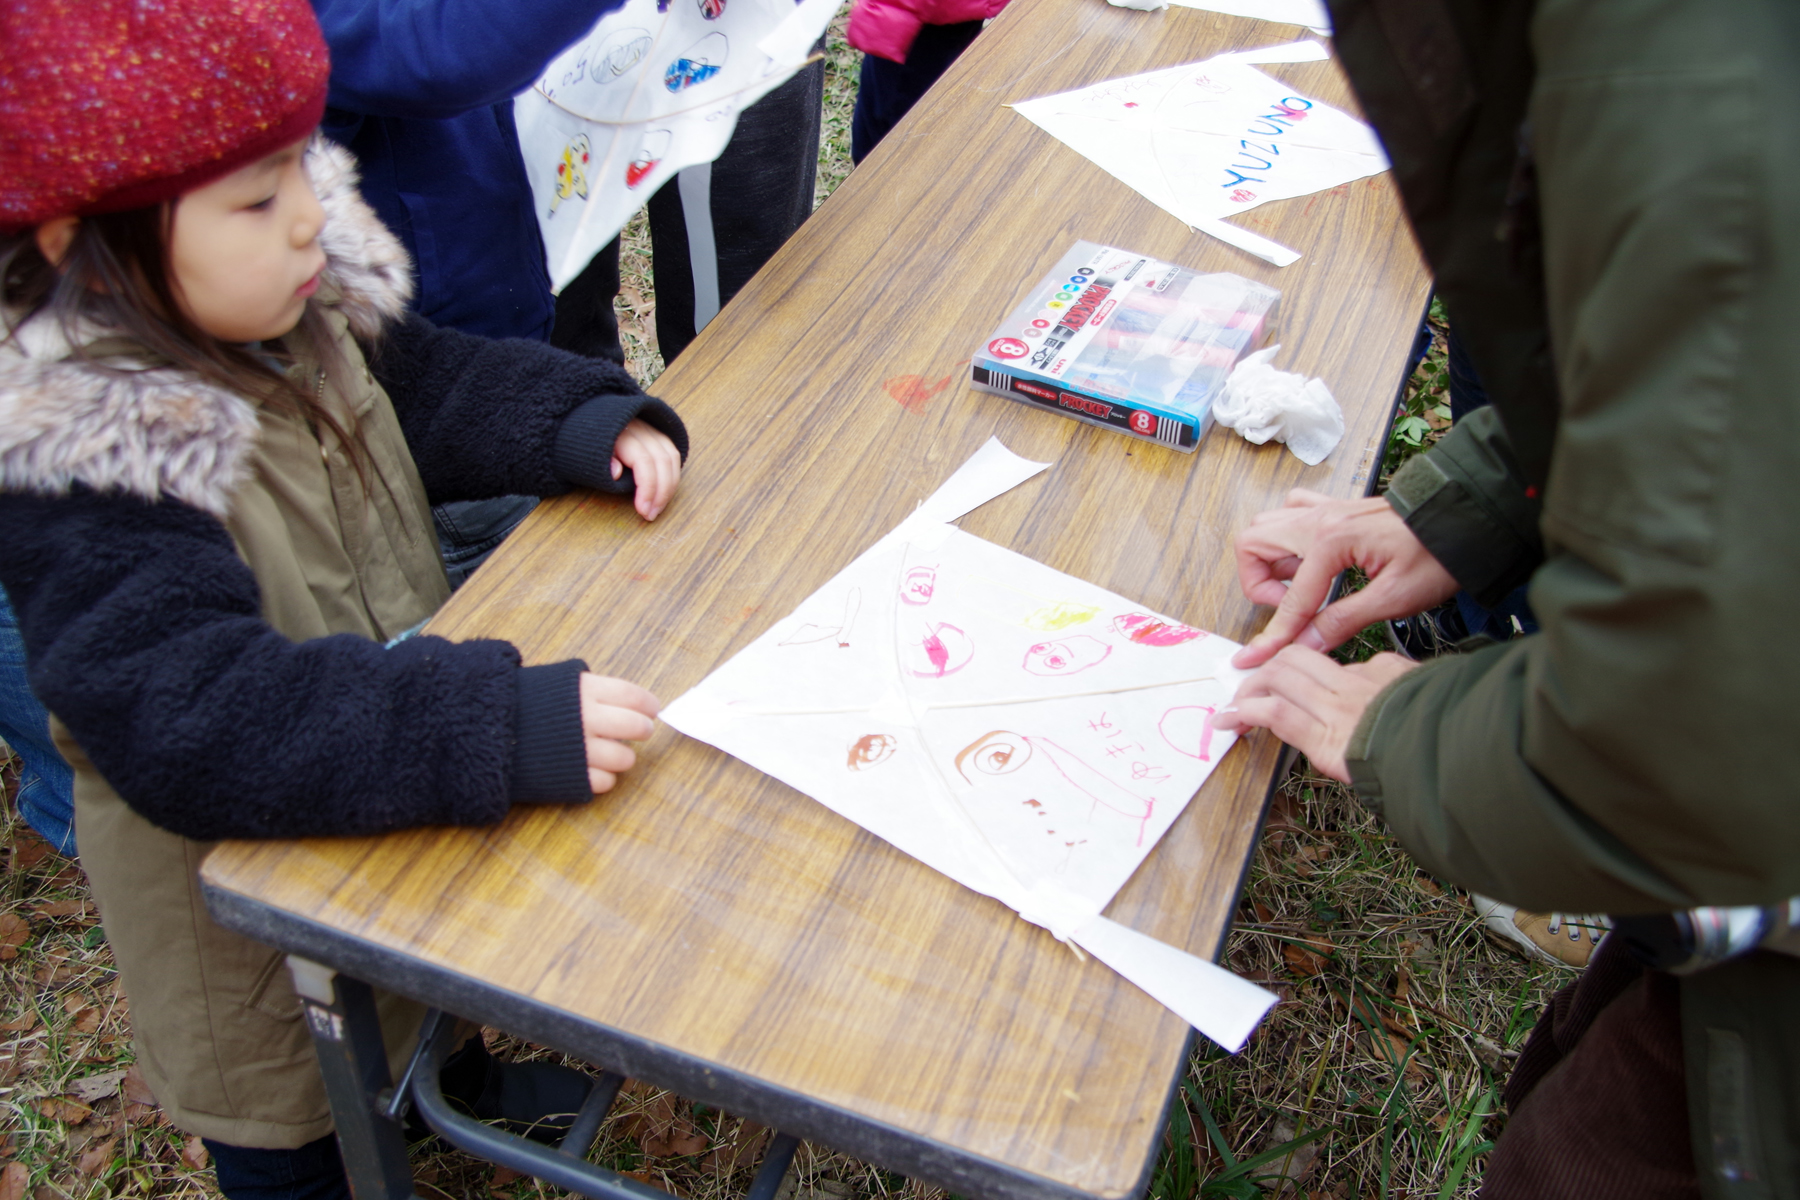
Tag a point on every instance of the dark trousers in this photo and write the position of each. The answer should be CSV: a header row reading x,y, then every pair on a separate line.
x,y
312,1172
888,90
1599,1095
712,227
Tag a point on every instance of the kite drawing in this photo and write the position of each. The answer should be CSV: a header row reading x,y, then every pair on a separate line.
x,y
1034,751
654,87
1213,139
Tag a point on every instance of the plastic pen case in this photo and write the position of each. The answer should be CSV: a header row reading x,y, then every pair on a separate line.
x,y
1127,342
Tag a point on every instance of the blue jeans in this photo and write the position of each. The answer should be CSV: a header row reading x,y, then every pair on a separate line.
x,y
313,1172
470,530
46,784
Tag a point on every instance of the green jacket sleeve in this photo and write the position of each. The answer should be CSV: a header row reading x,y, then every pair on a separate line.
x,y
1636,753
1468,505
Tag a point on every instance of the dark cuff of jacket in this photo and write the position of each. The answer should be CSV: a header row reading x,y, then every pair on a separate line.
x,y
549,751
1486,539
583,452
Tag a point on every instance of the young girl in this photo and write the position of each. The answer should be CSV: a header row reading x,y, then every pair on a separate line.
x,y
220,435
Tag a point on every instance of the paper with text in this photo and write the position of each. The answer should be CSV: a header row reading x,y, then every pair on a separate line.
x,y
1214,139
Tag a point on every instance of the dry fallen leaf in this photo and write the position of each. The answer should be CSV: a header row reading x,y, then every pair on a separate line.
x,y
194,1154
69,1112
29,850
95,1158
503,1176
24,1024
1306,961
90,1088
13,1181
61,908
14,932
136,1090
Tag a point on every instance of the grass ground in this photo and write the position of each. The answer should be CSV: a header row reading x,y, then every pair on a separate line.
x,y
1376,1076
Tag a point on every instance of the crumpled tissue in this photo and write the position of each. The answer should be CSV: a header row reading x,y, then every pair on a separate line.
x,y
1140,5
1262,403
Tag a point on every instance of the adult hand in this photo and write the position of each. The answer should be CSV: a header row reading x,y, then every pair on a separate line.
x,y
655,466
613,711
1311,701
1288,557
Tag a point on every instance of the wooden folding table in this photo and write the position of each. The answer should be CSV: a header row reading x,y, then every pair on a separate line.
x,y
708,929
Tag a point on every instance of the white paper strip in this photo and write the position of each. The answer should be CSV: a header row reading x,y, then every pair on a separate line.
x,y
1310,13
1223,1006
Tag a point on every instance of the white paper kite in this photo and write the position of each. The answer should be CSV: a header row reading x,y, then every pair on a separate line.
x,y
1025,733
1215,138
656,86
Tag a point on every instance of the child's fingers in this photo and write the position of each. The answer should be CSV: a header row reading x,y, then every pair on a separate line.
x,y
656,466
601,781
604,754
610,691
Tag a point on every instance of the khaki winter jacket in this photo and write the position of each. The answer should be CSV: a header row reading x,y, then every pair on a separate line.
x,y
217,1026
204,587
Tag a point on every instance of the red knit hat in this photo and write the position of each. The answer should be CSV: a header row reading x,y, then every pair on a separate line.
x,y
107,105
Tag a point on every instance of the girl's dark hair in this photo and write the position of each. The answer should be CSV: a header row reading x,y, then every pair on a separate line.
x,y
116,277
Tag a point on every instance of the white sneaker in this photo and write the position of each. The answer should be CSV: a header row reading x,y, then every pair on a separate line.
x,y
1559,939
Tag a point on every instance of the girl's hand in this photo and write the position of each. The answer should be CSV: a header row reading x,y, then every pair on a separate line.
x,y
655,465
613,712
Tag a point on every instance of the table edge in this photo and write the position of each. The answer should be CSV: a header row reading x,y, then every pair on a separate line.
x,y
908,1153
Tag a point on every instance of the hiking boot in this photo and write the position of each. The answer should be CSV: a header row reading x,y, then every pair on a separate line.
x,y
1559,939
1429,634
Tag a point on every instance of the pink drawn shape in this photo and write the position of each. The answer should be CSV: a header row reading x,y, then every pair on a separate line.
x,y
944,650
1097,787
1188,731
1066,656
917,588
1147,630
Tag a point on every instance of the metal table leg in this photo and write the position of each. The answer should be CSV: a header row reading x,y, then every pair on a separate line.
x,y
346,1032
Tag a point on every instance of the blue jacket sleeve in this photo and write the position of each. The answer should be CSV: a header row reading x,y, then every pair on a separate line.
x,y
144,635
439,58
508,416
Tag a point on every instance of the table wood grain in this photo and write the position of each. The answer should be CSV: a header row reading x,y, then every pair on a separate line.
x,y
765,949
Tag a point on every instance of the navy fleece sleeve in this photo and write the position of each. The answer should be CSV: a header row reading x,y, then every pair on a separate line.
x,y
143,633
439,58
497,417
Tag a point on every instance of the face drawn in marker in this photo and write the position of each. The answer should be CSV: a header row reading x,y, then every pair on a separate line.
x,y
870,749
918,586
1066,656
943,650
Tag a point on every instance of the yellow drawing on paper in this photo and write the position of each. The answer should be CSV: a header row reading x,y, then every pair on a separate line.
x,y
571,172
1060,614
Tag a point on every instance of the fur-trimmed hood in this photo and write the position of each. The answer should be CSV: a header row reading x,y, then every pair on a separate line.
x,y
157,432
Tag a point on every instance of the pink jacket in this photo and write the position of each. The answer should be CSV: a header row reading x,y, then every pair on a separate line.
x,y
886,28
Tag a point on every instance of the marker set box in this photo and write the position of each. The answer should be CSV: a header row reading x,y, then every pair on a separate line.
x,y
1126,342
